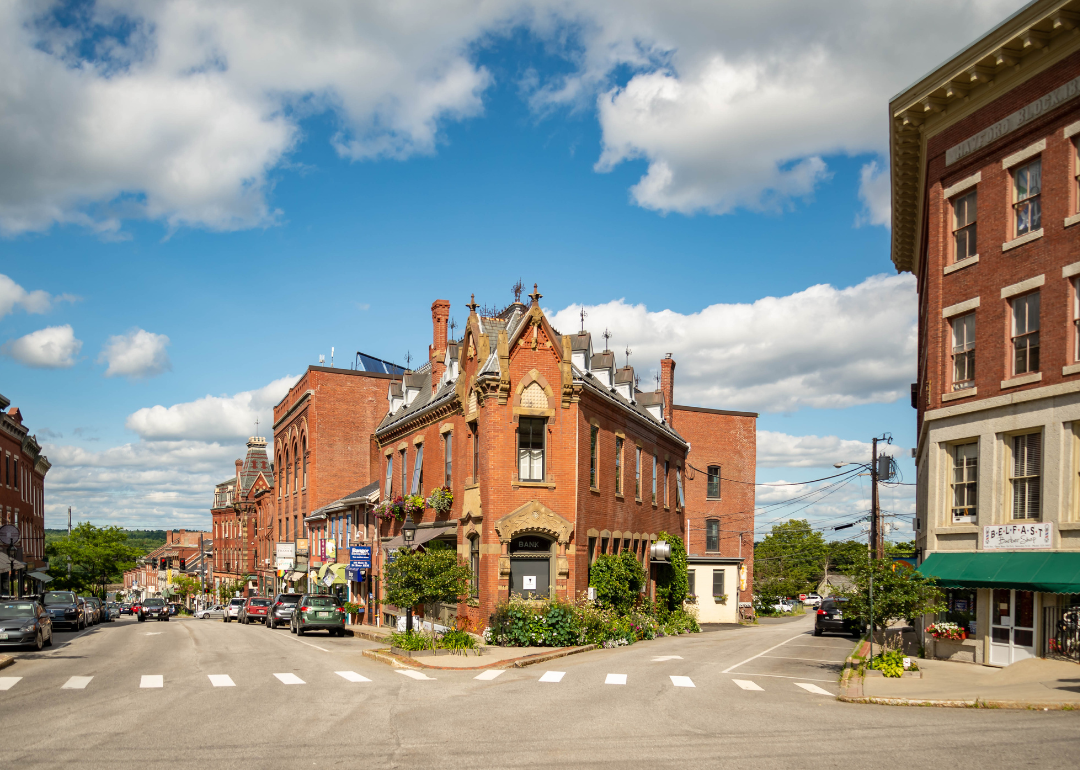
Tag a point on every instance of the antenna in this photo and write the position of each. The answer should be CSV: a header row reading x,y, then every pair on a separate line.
x,y
606,335
408,359
637,381
657,376
453,325
628,352
331,355
583,315
517,288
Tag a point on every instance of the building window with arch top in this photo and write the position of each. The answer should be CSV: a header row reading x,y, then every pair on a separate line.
x,y
593,437
387,489
531,434
448,458
288,469
474,563
304,456
296,470
618,464
712,535
712,483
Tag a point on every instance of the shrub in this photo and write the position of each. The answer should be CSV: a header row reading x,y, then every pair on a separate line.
x,y
457,640
672,584
410,640
618,580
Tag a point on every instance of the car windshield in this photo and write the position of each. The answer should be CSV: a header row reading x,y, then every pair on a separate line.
x,y
59,597
289,598
16,610
154,603
321,601
237,601
259,602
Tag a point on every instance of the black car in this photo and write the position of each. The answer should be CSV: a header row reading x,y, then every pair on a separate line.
x,y
831,618
65,609
24,621
125,609
154,608
282,611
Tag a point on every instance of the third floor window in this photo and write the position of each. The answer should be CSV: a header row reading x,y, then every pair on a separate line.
x,y
963,351
531,449
712,488
1027,184
964,226
1025,333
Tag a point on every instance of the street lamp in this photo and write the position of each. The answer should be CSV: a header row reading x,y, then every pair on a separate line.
x,y
408,529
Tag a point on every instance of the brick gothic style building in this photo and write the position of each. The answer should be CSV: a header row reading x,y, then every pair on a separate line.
x,y
552,453
986,214
241,546
22,500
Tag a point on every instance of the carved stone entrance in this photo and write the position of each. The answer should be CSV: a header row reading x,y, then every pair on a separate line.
x,y
533,518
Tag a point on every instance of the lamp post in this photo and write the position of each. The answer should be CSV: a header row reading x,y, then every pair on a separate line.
x,y
408,534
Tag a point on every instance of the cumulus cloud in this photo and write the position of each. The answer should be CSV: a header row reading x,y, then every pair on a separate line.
x,y
136,355
823,347
875,194
13,296
782,450
53,347
211,418
181,111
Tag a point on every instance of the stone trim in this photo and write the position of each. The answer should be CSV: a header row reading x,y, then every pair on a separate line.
x,y
1025,238
960,307
959,394
1047,391
534,516
962,185
446,427
1024,379
1070,270
1023,286
403,446
417,440
1072,129
1070,369
1070,221
1028,152
968,262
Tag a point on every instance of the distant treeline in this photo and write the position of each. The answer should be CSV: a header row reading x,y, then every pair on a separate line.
x,y
145,540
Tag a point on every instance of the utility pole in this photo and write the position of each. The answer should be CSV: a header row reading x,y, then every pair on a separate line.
x,y
876,546
69,540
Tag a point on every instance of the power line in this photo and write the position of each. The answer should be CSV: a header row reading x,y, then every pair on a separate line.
x,y
780,484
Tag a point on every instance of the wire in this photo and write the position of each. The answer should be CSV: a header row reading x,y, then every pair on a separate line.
x,y
782,484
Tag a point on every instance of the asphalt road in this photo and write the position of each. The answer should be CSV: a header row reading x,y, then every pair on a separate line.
x,y
194,693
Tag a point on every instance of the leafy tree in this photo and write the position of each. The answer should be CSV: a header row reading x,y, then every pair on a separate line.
x,y
790,560
618,579
98,556
228,590
435,575
672,583
185,586
843,556
899,592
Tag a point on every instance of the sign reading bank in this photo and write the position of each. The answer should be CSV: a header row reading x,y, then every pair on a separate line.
x,y
1034,535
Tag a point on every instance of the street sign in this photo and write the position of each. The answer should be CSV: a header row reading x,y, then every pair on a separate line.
x,y
9,534
360,556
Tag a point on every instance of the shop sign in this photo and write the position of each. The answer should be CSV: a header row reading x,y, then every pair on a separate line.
x,y
285,555
322,549
302,548
360,556
530,544
331,549
1034,535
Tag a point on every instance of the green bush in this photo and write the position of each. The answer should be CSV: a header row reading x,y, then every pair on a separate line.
x,y
618,579
410,640
890,663
457,640
672,584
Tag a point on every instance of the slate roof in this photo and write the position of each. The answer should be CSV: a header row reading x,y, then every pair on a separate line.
x,y
362,492
637,407
255,462
581,341
605,360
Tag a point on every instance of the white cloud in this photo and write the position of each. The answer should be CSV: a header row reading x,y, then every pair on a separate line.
x,y
136,355
782,450
823,347
211,418
13,296
53,347
876,195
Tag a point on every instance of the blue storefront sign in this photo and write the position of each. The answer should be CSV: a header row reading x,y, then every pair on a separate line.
x,y
360,556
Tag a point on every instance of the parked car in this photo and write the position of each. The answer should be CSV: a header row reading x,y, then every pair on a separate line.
x,y
810,600
153,608
25,622
318,612
65,609
216,611
125,608
784,605
103,610
232,609
830,617
254,610
93,611
282,610
174,609
114,610
135,608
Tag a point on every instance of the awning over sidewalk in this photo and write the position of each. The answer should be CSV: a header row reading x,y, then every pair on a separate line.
x,y
42,576
422,536
1056,573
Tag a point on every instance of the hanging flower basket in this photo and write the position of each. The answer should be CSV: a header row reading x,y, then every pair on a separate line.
x,y
391,509
414,504
440,500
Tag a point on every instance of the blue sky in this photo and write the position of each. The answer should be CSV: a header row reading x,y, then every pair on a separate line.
x,y
594,155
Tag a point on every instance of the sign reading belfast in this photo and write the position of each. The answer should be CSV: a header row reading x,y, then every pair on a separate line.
x,y
1034,535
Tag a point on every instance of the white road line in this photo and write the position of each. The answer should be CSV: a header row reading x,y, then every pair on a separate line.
x,y
7,682
552,676
782,676
221,680
732,668
77,683
491,673
615,679
682,681
152,680
289,679
352,676
662,658
309,644
413,674
814,689
746,684
812,660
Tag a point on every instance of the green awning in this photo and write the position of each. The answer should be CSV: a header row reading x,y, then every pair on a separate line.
x,y
1055,572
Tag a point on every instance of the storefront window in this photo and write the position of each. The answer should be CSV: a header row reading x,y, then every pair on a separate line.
x,y
960,604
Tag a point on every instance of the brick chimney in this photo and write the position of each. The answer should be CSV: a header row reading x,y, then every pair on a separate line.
x,y
667,386
440,314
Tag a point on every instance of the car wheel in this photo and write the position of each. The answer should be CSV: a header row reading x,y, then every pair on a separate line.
x,y
817,632
142,619
299,631
39,642
48,642
292,629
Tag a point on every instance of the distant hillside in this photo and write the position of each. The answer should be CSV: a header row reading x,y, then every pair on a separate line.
x,y
145,540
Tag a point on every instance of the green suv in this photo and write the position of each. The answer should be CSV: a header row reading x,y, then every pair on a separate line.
x,y
318,612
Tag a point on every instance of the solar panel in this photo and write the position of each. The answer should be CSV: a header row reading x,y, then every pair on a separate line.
x,y
373,364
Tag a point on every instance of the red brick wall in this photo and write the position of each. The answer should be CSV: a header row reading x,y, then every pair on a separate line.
x,y
995,269
727,439
24,494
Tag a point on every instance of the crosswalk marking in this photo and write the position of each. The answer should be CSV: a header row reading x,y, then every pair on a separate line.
x,y
77,683
413,674
813,688
7,682
221,680
615,679
488,675
746,684
682,681
352,676
662,658
552,676
152,680
289,679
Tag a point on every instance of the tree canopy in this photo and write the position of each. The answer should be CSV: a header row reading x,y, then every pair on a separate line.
x,y
899,593
432,576
98,556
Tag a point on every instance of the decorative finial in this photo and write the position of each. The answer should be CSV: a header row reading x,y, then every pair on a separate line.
x,y
517,289
453,325
472,305
256,426
656,375
408,358
628,352
606,335
536,295
583,315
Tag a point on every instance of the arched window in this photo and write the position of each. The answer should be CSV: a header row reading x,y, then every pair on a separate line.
x,y
288,470
304,455
280,474
474,562
296,470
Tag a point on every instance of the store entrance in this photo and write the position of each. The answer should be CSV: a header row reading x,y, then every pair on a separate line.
x,y
1012,626
530,566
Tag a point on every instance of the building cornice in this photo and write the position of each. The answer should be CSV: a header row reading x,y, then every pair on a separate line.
x,y
288,412
1028,42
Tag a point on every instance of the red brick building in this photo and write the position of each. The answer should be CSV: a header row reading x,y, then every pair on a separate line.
x,y
553,456
242,548
986,214
22,500
150,577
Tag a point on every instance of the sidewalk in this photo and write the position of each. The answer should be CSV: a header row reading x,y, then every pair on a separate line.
x,y
1033,683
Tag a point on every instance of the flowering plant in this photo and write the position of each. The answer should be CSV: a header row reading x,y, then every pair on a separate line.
x,y
391,509
440,499
414,504
946,631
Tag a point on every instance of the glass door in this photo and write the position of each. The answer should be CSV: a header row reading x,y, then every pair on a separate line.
x,y
1012,626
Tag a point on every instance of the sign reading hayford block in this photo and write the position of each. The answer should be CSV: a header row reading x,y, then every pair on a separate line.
x,y
285,555
1034,535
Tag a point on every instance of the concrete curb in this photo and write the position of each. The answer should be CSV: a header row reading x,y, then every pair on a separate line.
x,y
397,661
962,704
6,660
371,637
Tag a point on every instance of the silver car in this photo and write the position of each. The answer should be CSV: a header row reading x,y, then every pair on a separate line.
x,y
232,611
216,611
